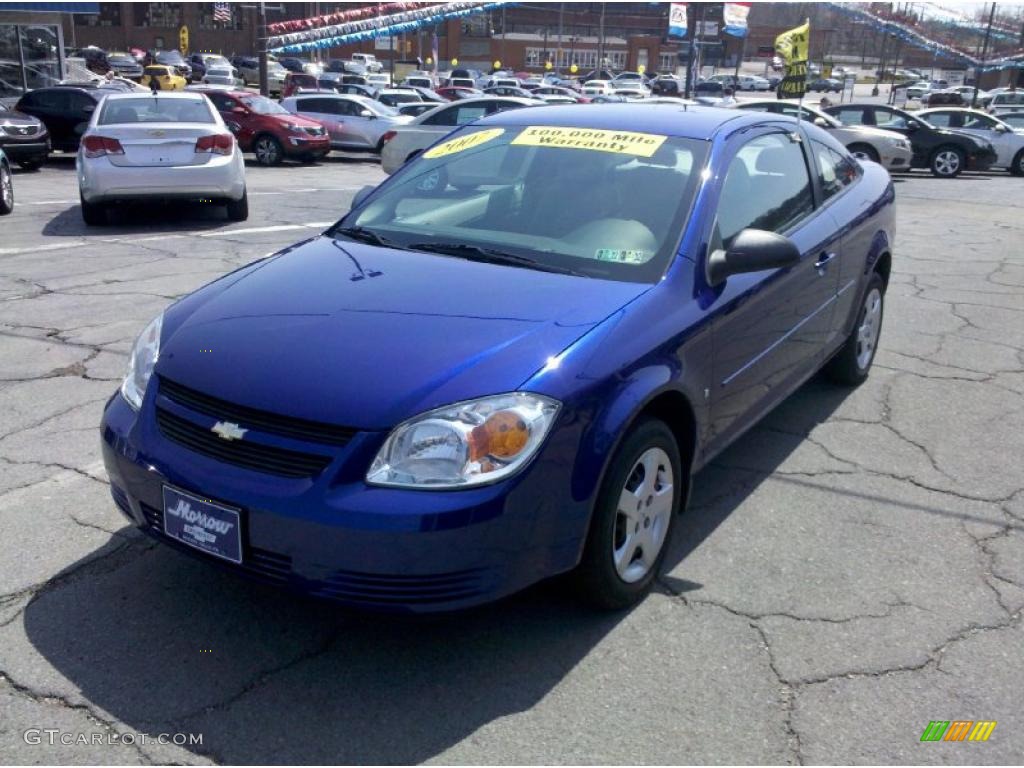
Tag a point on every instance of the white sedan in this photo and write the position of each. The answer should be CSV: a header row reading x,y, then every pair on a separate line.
x,y
406,141
162,146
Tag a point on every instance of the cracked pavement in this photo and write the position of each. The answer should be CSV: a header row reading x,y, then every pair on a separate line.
x,y
850,570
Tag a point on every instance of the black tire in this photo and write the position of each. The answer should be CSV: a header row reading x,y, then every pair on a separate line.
x,y
864,150
31,165
1017,167
308,159
597,579
268,150
238,210
849,366
6,190
94,214
947,162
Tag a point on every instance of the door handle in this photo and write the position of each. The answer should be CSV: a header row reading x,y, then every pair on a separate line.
x,y
823,260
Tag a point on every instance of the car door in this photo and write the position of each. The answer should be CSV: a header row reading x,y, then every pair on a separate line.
x,y
328,112
922,138
770,327
357,128
81,105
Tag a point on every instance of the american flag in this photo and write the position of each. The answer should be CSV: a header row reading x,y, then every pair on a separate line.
x,y
222,12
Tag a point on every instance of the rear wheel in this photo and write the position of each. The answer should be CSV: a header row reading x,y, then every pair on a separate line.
x,y
864,152
268,150
6,190
94,214
633,518
1017,167
852,363
238,210
947,162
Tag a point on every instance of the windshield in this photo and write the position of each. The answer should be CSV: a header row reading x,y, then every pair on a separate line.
x,y
216,61
151,109
261,105
601,203
382,110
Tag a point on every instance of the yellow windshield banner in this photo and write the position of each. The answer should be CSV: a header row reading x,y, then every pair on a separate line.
x,y
620,142
463,143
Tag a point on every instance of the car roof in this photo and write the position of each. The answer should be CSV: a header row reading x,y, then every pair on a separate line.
x,y
162,95
688,122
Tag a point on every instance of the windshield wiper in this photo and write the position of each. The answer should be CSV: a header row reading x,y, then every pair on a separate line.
x,y
491,256
364,235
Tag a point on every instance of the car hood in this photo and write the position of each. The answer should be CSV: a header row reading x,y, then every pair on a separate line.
x,y
878,133
365,337
17,118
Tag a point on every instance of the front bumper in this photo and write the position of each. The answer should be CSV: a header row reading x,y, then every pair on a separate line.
x,y
297,144
221,177
26,151
981,161
332,536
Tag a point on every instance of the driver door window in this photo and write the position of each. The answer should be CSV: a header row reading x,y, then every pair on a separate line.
x,y
767,187
887,118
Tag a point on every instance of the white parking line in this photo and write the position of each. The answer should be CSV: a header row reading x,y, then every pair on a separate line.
x,y
251,230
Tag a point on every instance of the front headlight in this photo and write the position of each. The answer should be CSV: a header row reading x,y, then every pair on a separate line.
x,y
295,128
141,363
465,444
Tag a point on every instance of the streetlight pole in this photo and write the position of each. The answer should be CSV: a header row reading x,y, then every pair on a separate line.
x,y
984,53
264,83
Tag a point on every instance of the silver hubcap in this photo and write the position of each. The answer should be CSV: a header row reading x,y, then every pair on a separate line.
x,y
870,327
947,163
643,515
266,152
6,187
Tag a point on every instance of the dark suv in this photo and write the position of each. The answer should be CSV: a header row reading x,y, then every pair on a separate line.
x,y
23,138
65,110
945,153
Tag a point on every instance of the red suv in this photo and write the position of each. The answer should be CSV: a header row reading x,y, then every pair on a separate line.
x,y
265,128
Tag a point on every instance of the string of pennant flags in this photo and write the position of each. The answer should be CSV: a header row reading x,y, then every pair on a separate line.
x,y
341,17
915,38
357,30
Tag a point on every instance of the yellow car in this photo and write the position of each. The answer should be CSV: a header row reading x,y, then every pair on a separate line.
x,y
165,77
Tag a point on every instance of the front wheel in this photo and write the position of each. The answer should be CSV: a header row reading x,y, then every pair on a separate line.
x,y
268,150
852,363
633,518
1017,167
947,162
6,190
864,152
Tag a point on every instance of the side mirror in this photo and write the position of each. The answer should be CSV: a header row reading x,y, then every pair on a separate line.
x,y
752,250
821,122
913,126
1000,128
368,114
361,195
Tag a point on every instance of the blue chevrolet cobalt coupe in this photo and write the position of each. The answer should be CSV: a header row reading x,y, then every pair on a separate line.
x,y
507,361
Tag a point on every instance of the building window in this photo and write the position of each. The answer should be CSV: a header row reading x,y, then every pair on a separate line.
x,y
206,20
109,16
667,62
158,14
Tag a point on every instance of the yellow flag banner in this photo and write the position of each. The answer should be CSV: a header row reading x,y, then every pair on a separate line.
x,y
792,45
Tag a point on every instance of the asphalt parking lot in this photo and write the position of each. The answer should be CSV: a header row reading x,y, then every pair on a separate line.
x,y
850,571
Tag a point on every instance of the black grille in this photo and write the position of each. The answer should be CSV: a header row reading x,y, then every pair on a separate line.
x,y
370,588
241,453
21,130
252,418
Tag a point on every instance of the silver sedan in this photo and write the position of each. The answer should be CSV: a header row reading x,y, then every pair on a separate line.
x,y
353,122
420,133
164,145
888,148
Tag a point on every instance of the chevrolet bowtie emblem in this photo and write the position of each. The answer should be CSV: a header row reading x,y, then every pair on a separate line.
x,y
227,430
